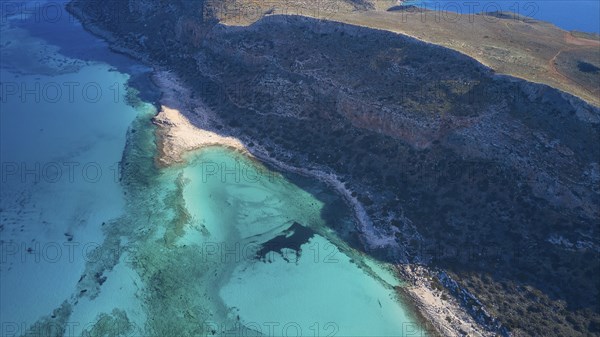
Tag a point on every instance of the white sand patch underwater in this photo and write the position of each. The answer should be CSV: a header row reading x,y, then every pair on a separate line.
x,y
326,296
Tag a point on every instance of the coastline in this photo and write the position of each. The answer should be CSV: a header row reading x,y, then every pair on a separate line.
x,y
429,305
184,124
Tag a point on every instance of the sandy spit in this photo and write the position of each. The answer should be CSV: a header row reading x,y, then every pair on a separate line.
x,y
183,124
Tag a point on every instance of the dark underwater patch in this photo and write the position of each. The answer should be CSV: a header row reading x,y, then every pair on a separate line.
x,y
292,238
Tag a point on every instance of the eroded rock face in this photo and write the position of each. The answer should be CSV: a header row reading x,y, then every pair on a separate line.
x,y
491,178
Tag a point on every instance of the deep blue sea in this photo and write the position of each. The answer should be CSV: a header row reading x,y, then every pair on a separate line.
x,y
580,15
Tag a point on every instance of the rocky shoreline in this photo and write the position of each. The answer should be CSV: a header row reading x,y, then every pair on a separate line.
x,y
443,312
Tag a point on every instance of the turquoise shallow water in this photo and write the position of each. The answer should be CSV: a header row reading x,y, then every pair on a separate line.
x,y
316,290
60,150
220,245
328,295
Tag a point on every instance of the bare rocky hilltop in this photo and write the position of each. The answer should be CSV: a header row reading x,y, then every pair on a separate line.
x,y
476,164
